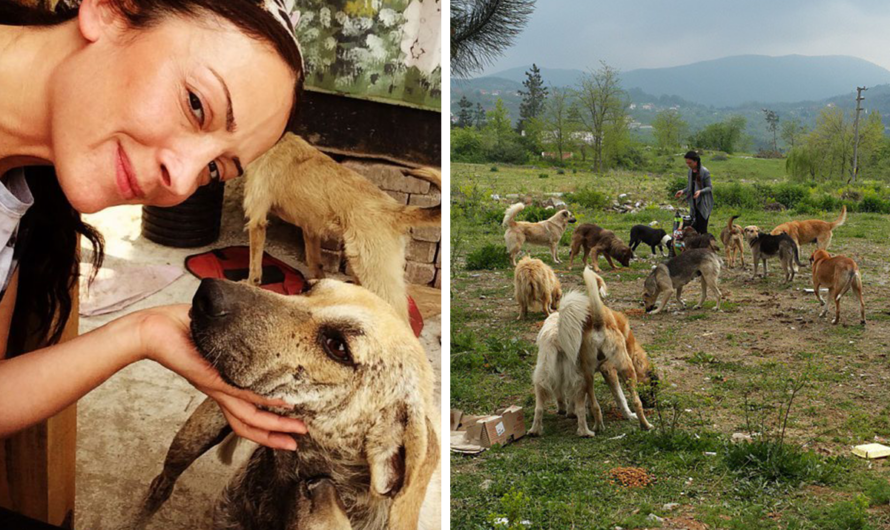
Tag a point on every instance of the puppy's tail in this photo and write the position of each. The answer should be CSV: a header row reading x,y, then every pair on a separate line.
x,y
573,312
511,213
731,219
841,218
594,285
424,216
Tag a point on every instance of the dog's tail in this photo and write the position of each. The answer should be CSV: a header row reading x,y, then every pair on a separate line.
x,y
573,312
796,253
226,450
852,276
424,216
595,285
731,219
841,218
511,213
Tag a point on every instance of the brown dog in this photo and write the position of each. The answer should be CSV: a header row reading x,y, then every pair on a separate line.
x,y
733,241
546,233
692,239
811,231
535,284
305,187
598,239
839,273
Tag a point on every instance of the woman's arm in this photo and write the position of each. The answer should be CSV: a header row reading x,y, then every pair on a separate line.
x,y
41,383
705,181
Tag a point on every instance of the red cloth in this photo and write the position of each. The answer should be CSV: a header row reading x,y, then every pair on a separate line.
x,y
233,263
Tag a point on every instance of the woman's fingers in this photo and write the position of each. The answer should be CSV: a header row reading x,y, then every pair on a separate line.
x,y
274,440
247,413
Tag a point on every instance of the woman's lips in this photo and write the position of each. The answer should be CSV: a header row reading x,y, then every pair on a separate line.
x,y
126,178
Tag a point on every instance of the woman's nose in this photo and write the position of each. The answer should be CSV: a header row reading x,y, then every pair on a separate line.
x,y
181,168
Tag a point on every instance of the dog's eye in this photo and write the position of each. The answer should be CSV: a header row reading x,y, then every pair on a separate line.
x,y
336,348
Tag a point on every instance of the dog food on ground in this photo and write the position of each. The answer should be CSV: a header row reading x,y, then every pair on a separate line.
x,y
631,477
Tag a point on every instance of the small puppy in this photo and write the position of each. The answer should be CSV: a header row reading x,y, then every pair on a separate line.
x,y
839,273
305,187
535,284
692,239
593,237
654,237
811,231
764,246
545,233
733,240
671,276
584,337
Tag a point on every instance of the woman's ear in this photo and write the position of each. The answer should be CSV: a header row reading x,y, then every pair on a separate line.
x,y
96,18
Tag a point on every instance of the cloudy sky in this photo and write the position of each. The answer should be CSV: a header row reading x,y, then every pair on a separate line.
x,y
651,33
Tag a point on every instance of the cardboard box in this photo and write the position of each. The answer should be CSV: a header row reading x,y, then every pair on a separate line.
x,y
474,434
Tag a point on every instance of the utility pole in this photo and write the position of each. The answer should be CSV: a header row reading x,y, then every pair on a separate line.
x,y
859,98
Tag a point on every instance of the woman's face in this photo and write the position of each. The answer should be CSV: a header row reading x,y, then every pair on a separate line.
x,y
147,116
690,163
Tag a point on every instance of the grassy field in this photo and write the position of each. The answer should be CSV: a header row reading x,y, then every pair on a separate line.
x,y
743,371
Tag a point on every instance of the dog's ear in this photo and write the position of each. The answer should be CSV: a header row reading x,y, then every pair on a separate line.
x,y
403,452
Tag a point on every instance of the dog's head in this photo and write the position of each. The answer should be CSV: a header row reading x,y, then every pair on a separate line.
x,y
651,289
623,254
354,371
556,296
689,232
751,233
319,507
819,255
563,217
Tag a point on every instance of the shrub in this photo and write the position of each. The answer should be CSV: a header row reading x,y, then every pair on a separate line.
x,y
674,184
543,176
873,203
488,257
533,214
790,194
720,157
776,462
588,197
560,171
844,515
737,195
467,145
494,169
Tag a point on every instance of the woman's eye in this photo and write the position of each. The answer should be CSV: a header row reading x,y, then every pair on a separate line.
x,y
214,172
197,107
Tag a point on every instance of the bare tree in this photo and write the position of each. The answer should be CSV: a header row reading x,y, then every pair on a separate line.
x,y
602,105
772,124
482,29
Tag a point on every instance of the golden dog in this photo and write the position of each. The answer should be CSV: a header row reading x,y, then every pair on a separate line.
x,y
535,284
546,233
811,231
305,187
733,241
839,273
357,377
584,337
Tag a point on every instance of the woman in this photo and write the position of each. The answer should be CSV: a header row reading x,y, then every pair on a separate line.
x,y
124,102
698,192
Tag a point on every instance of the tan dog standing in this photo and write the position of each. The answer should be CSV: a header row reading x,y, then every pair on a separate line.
x,y
535,284
733,242
305,187
839,273
547,233
811,231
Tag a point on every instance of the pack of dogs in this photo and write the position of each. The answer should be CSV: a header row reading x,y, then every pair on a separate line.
x,y
343,354
581,336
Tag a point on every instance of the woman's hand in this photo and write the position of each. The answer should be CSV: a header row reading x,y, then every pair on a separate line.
x,y
696,194
165,337
678,194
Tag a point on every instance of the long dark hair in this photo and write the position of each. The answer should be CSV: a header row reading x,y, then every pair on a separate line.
x,y
49,259
692,155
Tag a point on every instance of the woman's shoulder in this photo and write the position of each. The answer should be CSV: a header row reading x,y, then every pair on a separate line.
x,y
705,172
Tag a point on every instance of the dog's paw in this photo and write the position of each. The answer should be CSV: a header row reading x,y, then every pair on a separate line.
x,y
645,425
632,417
535,431
586,433
696,306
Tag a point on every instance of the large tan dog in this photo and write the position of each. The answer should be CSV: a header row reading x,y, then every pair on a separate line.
x,y
535,284
811,231
839,273
547,233
584,337
356,376
303,186
593,237
733,241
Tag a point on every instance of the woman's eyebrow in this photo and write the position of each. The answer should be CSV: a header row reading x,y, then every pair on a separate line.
x,y
230,115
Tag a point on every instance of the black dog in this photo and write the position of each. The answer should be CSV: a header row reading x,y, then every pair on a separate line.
x,y
654,237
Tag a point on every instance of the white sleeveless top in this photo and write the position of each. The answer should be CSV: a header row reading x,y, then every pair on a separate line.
x,y
15,199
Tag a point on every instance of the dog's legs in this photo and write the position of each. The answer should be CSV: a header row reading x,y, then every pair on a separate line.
x,y
704,293
548,303
631,377
595,259
680,301
817,292
313,255
205,428
540,401
554,252
595,409
609,259
576,244
611,377
257,231
836,296
523,308
713,285
857,285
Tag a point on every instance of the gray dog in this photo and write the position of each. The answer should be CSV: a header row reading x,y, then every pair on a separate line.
x,y
672,275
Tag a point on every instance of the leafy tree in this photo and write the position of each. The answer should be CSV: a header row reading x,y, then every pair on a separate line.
x,y
479,116
832,142
669,129
772,125
792,132
482,29
533,97
498,125
602,106
467,145
465,114
724,136
558,123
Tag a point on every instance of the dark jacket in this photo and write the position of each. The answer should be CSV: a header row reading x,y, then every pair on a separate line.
x,y
705,201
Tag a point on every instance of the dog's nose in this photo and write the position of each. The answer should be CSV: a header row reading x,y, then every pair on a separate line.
x,y
211,300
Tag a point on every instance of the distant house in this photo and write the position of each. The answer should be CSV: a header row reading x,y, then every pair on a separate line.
x,y
632,106
648,106
565,156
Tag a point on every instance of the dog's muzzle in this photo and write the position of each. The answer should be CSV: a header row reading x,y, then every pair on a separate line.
x,y
211,301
